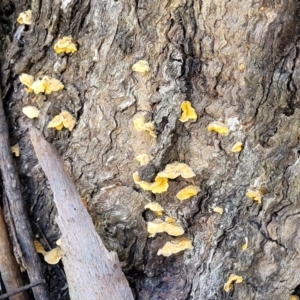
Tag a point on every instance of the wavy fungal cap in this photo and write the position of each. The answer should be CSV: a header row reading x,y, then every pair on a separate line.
x,y
31,112
188,192
173,229
159,185
231,280
188,112
27,80
218,210
159,226
170,219
45,85
141,66
255,195
176,169
39,247
15,149
64,119
175,246
51,85
53,256
154,206
237,147
65,45
156,226
141,125
218,127
25,17
245,246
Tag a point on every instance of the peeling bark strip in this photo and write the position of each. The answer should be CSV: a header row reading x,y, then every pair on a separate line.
x,y
9,269
92,271
12,190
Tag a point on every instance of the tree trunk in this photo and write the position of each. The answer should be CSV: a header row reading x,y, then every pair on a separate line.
x,y
236,62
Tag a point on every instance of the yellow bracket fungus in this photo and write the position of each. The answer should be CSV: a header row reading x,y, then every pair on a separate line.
x,y
159,185
175,246
159,226
218,210
53,256
188,192
255,195
64,119
144,159
39,247
218,127
176,169
65,45
52,85
27,80
15,149
231,280
156,207
245,246
38,86
188,112
294,297
237,147
173,229
156,226
45,85
31,112
25,17
141,66
170,220
141,125
242,67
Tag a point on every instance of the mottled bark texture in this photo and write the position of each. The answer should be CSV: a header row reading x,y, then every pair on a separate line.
x,y
236,61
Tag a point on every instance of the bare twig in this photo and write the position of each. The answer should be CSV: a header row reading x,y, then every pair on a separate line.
x,y
12,190
21,289
92,271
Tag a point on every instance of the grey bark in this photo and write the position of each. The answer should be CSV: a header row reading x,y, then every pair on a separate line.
x,y
195,50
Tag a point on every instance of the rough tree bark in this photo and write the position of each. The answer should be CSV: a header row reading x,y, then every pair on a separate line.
x,y
236,61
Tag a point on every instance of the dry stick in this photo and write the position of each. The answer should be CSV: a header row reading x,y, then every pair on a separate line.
x,y
92,272
12,189
20,290
9,269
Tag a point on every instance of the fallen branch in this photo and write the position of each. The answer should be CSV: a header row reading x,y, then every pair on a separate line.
x,y
92,272
12,191
9,269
